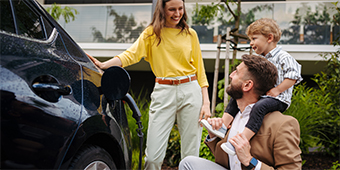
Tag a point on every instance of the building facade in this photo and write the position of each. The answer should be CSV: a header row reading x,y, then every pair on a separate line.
x,y
105,28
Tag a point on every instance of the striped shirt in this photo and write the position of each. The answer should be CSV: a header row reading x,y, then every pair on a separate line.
x,y
287,67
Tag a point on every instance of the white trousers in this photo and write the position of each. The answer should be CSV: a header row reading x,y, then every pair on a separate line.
x,y
168,102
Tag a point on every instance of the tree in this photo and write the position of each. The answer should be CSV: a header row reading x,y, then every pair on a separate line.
x,y
315,24
67,13
336,21
125,29
233,17
205,14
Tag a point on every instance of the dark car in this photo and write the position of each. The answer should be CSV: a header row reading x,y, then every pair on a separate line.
x,y
53,112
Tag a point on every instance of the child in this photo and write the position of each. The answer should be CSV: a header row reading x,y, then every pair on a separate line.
x,y
264,35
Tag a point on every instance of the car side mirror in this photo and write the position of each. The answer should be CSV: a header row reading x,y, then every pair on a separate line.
x,y
115,83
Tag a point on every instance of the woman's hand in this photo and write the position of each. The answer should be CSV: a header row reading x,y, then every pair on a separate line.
x,y
95,61
115,61
205,110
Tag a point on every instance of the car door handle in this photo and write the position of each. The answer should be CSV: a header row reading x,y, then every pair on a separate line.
x,y
61,89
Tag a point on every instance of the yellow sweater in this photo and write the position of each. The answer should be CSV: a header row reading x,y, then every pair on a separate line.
x,y
176,55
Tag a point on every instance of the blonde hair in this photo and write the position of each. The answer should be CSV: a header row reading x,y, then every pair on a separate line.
x,y
158,20
265,26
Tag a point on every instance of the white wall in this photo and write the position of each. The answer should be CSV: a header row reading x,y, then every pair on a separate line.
x,y
42,2
306,55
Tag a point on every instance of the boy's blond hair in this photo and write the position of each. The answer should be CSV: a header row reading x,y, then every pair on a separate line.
x,y
265,26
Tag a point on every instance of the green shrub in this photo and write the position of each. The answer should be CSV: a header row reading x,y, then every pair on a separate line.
x,y
317,109
173,154
143,104
329,84
309,108
204,150
336,165
135,159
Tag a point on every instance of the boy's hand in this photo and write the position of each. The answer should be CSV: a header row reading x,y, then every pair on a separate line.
x,y
273,92
286,84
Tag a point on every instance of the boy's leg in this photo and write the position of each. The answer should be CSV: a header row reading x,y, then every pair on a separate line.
x,y
230,112
260,109
232,108
227,119
248,133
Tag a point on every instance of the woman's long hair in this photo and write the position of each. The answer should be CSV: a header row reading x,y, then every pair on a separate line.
x,y
158,20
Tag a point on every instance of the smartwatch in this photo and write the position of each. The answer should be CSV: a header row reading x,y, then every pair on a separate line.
x,y
253,162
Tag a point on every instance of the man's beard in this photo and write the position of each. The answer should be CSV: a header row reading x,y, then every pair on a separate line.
x,y
235,91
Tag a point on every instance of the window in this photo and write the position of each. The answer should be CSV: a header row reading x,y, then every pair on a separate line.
x,y
6,20
28,22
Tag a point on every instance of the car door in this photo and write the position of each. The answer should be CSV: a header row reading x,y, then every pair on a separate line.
x,y
41,89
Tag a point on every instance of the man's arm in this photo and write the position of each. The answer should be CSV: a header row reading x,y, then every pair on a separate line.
x,y
214,122
211,142
284,149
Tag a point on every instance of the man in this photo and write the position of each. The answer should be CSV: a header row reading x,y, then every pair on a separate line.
x,y
275,146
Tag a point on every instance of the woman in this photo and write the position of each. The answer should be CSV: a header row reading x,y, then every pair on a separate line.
x,y
174,54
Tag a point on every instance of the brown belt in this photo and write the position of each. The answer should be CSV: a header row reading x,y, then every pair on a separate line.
x,y
174,81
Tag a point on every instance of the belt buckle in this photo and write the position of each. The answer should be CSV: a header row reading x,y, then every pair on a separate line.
x,y
176,82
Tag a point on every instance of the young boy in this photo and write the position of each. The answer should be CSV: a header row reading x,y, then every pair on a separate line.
x,y
264,35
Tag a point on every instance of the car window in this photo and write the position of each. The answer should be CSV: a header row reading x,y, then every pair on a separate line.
x,y
28,22
6,20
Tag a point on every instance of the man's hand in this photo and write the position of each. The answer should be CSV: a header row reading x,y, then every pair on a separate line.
x,y
242,148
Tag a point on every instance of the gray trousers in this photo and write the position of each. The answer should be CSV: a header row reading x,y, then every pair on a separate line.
x,y
168,103
197,163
